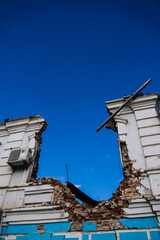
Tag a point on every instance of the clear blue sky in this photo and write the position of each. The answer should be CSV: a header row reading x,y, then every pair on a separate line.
x,y
63,60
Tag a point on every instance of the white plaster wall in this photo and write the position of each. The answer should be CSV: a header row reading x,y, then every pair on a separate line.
x,y
153,162
133,141
14,198
15,134
142,132
3,141
155,183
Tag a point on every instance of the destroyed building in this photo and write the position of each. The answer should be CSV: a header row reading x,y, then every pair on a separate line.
x,y
46,209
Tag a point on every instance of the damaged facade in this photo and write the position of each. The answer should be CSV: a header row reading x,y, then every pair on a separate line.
x,y
45,208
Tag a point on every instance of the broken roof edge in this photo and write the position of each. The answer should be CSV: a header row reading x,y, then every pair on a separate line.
x,y
22,119
20,124
114,104
141,95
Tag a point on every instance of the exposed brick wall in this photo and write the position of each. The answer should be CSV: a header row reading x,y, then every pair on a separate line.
x,y
106,212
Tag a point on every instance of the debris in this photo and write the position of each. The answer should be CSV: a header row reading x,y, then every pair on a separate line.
x,y
41,229
106,213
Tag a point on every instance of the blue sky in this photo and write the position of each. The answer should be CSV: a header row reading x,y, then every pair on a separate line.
x,y
63,60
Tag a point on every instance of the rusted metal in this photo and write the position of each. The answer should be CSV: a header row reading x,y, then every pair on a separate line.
x,y
132,97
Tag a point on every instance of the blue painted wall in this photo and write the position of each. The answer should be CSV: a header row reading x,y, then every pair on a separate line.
x,y
103,236
85,237
30,231
32,228
62,237
88,226
138,223
150,222
155,235
133,236
137,235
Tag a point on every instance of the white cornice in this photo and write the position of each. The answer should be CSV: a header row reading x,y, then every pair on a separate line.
x,y
141,102
120,120
24,124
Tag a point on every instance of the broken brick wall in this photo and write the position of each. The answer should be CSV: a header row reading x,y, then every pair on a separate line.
x,y
106,213
49,201
136,183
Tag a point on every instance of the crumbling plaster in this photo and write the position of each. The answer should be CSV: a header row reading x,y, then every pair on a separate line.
x,y
135,190
106,213
135,184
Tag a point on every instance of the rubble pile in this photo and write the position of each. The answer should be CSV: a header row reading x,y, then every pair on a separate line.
x,y
106,212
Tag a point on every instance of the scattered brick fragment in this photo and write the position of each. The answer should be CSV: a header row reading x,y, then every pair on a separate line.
x,y
106,213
